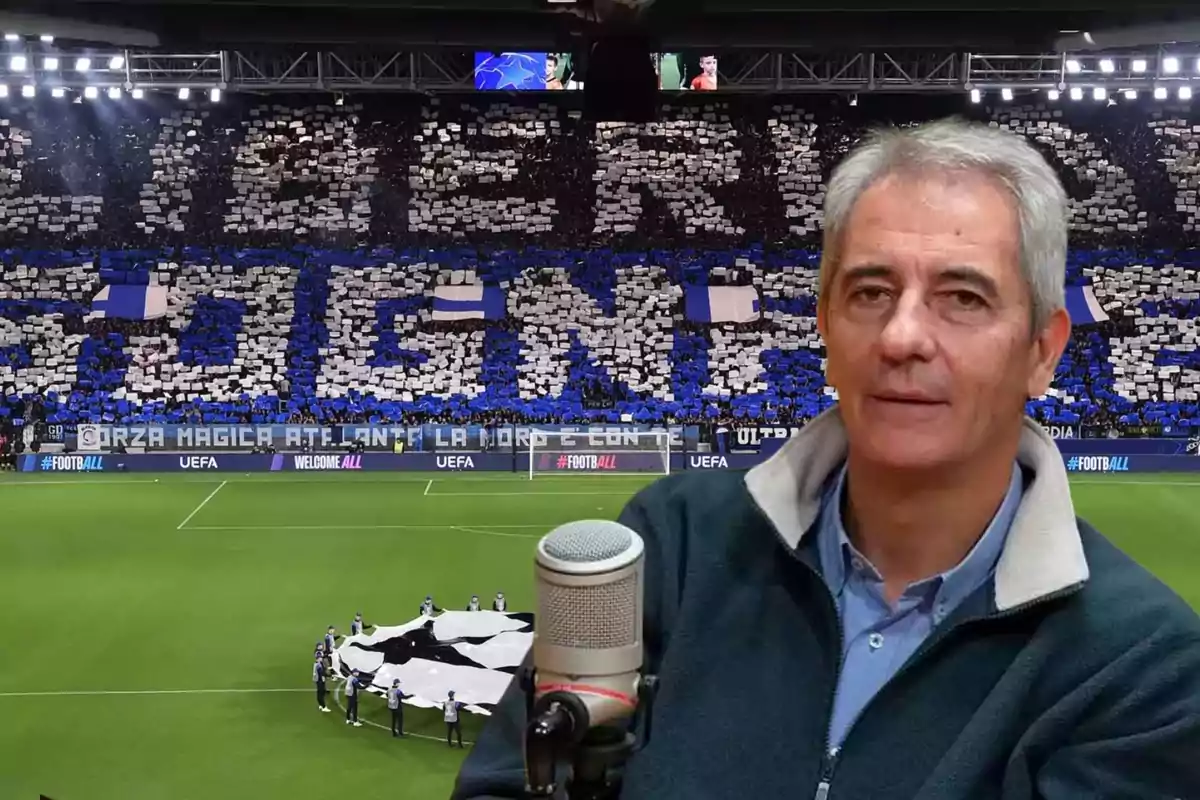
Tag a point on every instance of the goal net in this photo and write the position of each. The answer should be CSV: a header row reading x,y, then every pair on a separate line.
x,y
603,453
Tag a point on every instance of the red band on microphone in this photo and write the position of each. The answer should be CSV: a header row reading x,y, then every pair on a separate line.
x,y
581,688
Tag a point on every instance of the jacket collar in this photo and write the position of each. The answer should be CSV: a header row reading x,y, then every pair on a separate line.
x,y
1043,553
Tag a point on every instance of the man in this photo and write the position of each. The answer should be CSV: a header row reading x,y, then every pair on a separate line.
x,y
706,81
908,606
353,688
553,82
450,711
474,604
356,624
396,706
428,607
330,640
499,604
318,674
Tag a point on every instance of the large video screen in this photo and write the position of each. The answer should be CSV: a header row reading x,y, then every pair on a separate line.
x,y
696,72
524,72
543,72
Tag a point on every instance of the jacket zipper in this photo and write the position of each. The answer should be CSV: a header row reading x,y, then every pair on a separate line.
x,y
828,764
830,755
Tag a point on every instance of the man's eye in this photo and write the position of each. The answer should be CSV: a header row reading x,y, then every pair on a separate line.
x,y
968,300
868,294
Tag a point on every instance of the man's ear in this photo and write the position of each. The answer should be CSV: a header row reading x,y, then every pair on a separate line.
x,y
1048,346
823,329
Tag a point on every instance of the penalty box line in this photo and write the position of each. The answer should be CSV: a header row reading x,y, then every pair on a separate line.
x,y
530,494
504,531
147,692
203,503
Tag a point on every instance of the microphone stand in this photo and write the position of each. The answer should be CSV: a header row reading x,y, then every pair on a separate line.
x,y
599,760
597,755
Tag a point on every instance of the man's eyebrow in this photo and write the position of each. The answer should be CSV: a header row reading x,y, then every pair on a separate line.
x,y
972,277
959,274
863,271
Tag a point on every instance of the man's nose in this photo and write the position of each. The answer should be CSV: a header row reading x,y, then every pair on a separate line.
x,y
910,331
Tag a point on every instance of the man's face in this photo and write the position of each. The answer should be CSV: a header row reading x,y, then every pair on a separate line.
x,y
709,65
551,68
927,323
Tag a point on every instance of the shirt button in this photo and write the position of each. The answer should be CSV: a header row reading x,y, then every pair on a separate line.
x,y
857,563
875,641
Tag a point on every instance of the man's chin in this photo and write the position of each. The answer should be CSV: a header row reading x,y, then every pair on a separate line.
x,y
908,449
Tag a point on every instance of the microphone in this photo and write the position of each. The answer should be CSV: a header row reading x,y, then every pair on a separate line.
x,y
588,629
587,654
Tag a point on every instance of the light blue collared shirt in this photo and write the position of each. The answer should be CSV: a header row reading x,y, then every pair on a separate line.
x,y
878,638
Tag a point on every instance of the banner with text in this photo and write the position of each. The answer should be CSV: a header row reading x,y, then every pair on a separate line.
x,y
377,438
765,439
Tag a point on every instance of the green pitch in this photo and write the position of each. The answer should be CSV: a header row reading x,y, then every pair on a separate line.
x,y
159,634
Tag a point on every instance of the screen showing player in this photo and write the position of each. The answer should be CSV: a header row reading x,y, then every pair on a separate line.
x,y
524,72
694,71
553,77
671,70
706,81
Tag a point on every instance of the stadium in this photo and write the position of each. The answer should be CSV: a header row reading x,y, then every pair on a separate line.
x,y
282,342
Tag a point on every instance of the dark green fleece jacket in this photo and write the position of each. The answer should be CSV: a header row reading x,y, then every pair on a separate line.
x,y
1073,675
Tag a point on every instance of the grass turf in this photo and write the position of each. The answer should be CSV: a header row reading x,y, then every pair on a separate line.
x,y
104,589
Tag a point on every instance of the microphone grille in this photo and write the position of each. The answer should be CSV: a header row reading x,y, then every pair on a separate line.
x,y
588,540
589,617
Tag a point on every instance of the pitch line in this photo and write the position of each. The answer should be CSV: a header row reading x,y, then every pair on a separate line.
x,y
489,532
1124,482
79,483
203,503
337,701
428,486
190,477
492,530
129,692
530,494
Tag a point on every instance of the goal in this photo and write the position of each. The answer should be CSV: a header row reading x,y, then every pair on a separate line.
x,y
599,453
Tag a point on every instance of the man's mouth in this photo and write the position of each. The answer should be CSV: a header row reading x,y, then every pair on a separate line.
x,y
909,399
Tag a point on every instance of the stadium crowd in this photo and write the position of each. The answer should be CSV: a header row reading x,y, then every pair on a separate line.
x,y
288,262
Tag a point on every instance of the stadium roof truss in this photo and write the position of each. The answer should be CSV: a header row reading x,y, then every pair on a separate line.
x,y
746,71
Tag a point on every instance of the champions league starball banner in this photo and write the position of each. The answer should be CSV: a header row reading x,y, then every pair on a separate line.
x,y
475,654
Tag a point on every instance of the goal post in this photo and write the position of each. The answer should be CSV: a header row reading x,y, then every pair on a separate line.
x,y
604,453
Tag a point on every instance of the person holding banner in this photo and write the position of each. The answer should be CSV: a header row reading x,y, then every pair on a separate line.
x,y
451,711
354,688
318,675
428,607
395,701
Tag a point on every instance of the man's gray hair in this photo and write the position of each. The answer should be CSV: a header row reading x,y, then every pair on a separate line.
x,y
956,145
